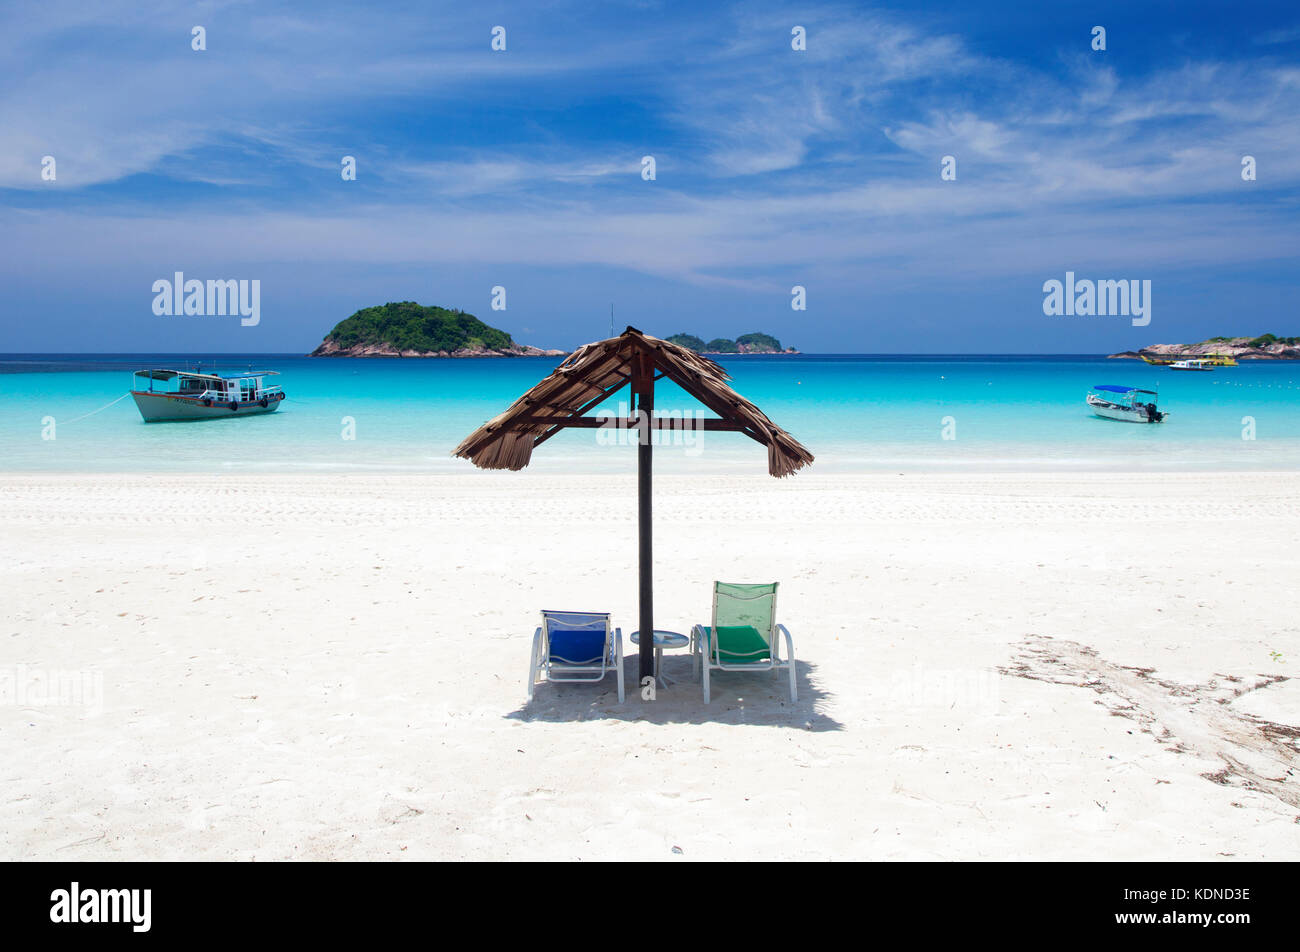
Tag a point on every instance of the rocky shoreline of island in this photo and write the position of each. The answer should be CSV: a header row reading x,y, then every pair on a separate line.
x,y
331,348
1264,347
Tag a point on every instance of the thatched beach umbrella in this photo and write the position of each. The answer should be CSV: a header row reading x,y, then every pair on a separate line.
x,y
592,374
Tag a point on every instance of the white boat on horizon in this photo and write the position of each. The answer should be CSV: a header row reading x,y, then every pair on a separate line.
x,y
1115,402
192,395
1192,364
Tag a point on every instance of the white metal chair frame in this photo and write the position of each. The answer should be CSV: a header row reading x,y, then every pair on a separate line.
x,y
558,672
703,648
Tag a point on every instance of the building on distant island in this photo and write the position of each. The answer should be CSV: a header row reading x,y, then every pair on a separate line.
x,y
1264,347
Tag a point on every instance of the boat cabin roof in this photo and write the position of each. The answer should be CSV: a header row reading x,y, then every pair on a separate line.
x,y
1117,388
172,374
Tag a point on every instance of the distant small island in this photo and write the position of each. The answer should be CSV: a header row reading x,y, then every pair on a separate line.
x,y
755,343
1264,347
408,329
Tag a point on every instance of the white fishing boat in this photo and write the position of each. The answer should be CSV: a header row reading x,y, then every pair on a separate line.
x,y
191,395
1192,364
1126,404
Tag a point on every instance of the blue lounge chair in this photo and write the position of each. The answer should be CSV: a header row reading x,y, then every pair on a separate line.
x,y
744,634
576,646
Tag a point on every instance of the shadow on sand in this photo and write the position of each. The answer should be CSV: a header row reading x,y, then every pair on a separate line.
x,y
760,699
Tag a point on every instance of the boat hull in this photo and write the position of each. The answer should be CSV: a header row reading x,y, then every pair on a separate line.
x,y
1219,361
1124,414
167,407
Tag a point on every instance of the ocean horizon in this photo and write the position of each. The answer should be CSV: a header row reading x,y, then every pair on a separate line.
x,y
855,412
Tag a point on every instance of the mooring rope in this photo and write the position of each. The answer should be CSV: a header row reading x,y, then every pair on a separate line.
x,y
93,412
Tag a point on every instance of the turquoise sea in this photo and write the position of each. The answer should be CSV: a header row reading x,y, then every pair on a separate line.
x,y
854,412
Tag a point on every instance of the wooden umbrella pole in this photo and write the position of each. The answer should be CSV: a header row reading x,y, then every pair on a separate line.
x,y
645,384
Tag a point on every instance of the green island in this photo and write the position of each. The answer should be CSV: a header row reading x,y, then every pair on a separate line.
x,y
1263,347
408,329
754,343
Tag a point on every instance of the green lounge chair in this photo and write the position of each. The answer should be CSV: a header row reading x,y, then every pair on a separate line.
x,y
743,636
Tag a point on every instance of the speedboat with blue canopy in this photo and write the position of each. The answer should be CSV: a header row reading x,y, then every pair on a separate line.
x,y
1127,404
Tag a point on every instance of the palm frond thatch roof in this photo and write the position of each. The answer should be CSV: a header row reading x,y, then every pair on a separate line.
x,y
591,374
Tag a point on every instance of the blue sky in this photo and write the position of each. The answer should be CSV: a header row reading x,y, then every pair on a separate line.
x,y
774,168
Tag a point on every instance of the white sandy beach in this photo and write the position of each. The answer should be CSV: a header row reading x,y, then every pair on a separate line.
x,y
333,667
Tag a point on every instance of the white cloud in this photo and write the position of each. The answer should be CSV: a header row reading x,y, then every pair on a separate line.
x,y
775,160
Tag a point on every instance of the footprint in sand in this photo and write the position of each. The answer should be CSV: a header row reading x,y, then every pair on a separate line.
x,y
1199,719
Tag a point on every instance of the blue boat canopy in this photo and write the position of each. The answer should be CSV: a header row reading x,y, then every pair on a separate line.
x,y
1115,388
